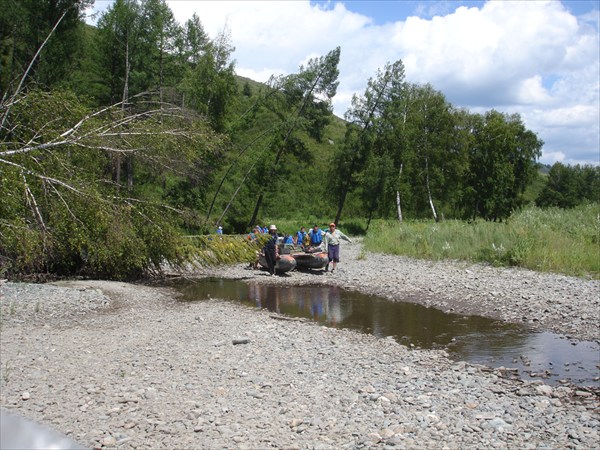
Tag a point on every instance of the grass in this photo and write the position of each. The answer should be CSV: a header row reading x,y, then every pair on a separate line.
x,y
546,240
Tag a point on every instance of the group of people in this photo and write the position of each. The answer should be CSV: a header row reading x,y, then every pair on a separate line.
x,y
315,240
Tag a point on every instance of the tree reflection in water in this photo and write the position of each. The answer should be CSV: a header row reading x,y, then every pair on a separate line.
x,y
470,338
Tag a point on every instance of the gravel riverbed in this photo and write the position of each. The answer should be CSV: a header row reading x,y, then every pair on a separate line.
x,y
117,365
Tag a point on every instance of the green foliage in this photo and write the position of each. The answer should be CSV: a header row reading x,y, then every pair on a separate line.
x,y
304,104
352,159
549,240
107,192
24,25
532,191
222,249
501,164
567,186
210,85
63,213
404,142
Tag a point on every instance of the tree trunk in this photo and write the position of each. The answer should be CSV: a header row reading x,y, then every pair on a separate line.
x,y
341,204
278,156
398,205
125,96
435,216
235,161
369,219
256,209
117,169
234,196
161,73
117,160
344,192
127,69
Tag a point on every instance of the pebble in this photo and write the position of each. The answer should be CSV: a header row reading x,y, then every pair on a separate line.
x,y
120,365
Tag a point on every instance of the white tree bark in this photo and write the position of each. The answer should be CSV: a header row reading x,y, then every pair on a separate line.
x,y
435,216
398,204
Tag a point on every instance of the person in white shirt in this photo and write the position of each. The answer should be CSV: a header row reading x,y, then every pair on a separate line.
x,y
332,240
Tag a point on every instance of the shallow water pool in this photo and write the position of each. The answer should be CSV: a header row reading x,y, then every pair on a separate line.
x,y
534,355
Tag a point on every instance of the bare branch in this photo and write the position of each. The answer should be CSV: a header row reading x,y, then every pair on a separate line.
x,y
42,177
56,191
33,205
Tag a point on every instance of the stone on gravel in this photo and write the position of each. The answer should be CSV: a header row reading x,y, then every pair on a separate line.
x,y
120,365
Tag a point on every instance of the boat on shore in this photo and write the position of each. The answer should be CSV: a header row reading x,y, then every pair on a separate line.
x,y
311,260
284,263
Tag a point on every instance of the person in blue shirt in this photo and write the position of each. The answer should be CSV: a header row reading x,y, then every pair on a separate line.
x,y
316,236
220,230
300,236
288,239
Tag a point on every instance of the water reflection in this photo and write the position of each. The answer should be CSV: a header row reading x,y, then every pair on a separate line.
x,y
470,338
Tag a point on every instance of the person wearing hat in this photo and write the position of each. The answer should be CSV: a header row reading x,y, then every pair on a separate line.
x,y
220,230
332,239
270,250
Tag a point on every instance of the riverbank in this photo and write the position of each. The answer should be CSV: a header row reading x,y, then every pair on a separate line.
x,y
116,365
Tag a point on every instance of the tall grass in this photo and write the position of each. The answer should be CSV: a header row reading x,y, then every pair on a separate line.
x,y
546,240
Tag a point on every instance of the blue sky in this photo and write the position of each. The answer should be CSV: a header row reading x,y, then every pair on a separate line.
x,y
540,59
384,11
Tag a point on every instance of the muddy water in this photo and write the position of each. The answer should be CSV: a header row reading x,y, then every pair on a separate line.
x,y
538,355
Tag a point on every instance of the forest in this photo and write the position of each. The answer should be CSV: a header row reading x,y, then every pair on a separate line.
x,y
117,141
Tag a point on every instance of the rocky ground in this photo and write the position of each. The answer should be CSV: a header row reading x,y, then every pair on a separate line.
x,y
116,365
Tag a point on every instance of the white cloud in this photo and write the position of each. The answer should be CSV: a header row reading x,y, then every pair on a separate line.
x,y
573,116
552,157
531,91
530,57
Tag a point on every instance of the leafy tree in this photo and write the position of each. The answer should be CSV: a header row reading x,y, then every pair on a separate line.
x,y
160,38
62,214
87,76
430,146
306,100
590,183
351,157
501,163
196,41
119,44
209,84
561,189
25,25
569,186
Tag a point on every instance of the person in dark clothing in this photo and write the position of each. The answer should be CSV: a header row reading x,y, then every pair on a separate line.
x,y
270,250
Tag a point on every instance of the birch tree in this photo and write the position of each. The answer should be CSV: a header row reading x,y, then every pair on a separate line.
x,y
501,164
62,213
366,109
307,96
